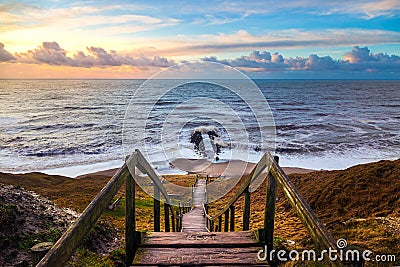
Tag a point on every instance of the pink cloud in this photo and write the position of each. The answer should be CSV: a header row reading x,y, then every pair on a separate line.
x,y
5,55
51,53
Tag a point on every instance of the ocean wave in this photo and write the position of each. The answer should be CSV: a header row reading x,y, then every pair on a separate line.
x,y
82,108
65,151
70,126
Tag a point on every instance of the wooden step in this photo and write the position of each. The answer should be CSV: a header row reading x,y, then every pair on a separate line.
x,y
216,256
200,239
194,221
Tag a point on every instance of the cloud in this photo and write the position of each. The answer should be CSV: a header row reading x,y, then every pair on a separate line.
x,y
357,54
5,55
365,9
358,59
216,19
274,39
255,60
49,53
52,54
78,22
99,57
312,63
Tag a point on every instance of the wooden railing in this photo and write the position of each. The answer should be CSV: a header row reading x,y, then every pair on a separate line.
x,y
276,176
63,249
228,210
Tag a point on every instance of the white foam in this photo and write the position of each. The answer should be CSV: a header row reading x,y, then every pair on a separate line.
x,y
74,171
205,129
330,161
221,143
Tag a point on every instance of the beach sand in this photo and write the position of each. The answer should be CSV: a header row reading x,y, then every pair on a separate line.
x,y
204,167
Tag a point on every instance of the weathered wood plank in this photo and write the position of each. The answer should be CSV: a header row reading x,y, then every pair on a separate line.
x,y
197,257
201,239
72,238
194,221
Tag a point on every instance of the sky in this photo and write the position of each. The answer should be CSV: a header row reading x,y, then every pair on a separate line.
x,y
303,39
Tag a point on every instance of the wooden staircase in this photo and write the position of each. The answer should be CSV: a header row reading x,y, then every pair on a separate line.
x,y
196,238
195,245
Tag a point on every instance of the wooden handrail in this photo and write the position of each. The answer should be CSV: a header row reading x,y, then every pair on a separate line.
x,y
206,213
63,249
73,237
314,226
277,176
257,170
144,166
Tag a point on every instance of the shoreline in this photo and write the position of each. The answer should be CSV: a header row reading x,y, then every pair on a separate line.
x,y
289,165
216,171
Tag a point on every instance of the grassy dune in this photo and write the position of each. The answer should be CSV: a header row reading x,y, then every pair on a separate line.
x,y
360,204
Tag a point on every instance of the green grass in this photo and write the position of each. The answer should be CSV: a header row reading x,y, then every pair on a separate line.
x,y
7,215
86,258
24,241
28,241
144,203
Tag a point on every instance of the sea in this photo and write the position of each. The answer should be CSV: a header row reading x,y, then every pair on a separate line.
x,y
73,127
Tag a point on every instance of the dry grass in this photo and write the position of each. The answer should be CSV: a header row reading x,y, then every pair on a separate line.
x,y
77,194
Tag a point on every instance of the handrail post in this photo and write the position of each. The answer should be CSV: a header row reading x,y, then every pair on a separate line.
x,y
314,226
191,200
166,217
232,219
173,221
130,220
178,222
269,212
246,210
226,222
205,193
156,209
